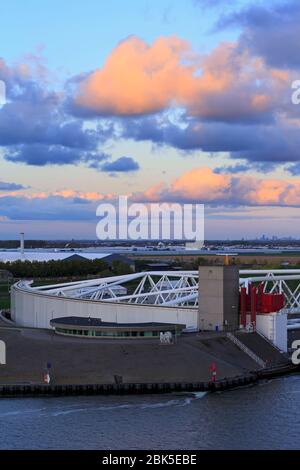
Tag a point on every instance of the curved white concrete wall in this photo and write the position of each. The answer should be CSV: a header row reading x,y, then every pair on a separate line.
x,y
35,309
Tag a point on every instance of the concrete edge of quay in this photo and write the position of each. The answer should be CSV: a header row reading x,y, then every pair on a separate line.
x,y
37,390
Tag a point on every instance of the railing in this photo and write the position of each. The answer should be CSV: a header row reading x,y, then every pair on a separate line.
x,y
246,350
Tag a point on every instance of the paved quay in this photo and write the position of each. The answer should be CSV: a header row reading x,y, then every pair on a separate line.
x,y
90,361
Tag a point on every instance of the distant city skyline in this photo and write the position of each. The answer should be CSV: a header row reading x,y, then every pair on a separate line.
x,y
161,101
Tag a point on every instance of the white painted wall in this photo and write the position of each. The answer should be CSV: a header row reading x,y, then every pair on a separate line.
x,y
274,327
36,310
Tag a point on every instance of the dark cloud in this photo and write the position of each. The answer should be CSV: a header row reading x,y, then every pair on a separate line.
x,y
36,117
40,155
10,186
262,146
50,208
121,165
239,168
195,135
80,200
271,32
276,144
35,128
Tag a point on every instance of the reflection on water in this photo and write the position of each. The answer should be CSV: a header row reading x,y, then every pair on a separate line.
x,y
264,416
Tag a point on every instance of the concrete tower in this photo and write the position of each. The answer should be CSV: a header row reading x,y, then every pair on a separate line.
x,y
218,297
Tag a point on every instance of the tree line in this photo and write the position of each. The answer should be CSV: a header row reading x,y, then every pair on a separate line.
x,y
64,268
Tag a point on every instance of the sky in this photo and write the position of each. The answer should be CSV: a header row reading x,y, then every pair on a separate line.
x,y
163,101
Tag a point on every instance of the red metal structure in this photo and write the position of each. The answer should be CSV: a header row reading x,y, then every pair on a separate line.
x,y
257,301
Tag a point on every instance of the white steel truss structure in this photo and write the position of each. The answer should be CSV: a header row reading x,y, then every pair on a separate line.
x,y
170,288
154,287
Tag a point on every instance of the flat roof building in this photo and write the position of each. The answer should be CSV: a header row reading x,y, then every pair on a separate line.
x,y
96,328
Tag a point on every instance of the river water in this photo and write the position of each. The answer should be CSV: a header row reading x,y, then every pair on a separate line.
x,y
263,416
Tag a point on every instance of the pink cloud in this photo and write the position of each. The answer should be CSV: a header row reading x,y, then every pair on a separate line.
x,y
67,193
138,78
203,185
